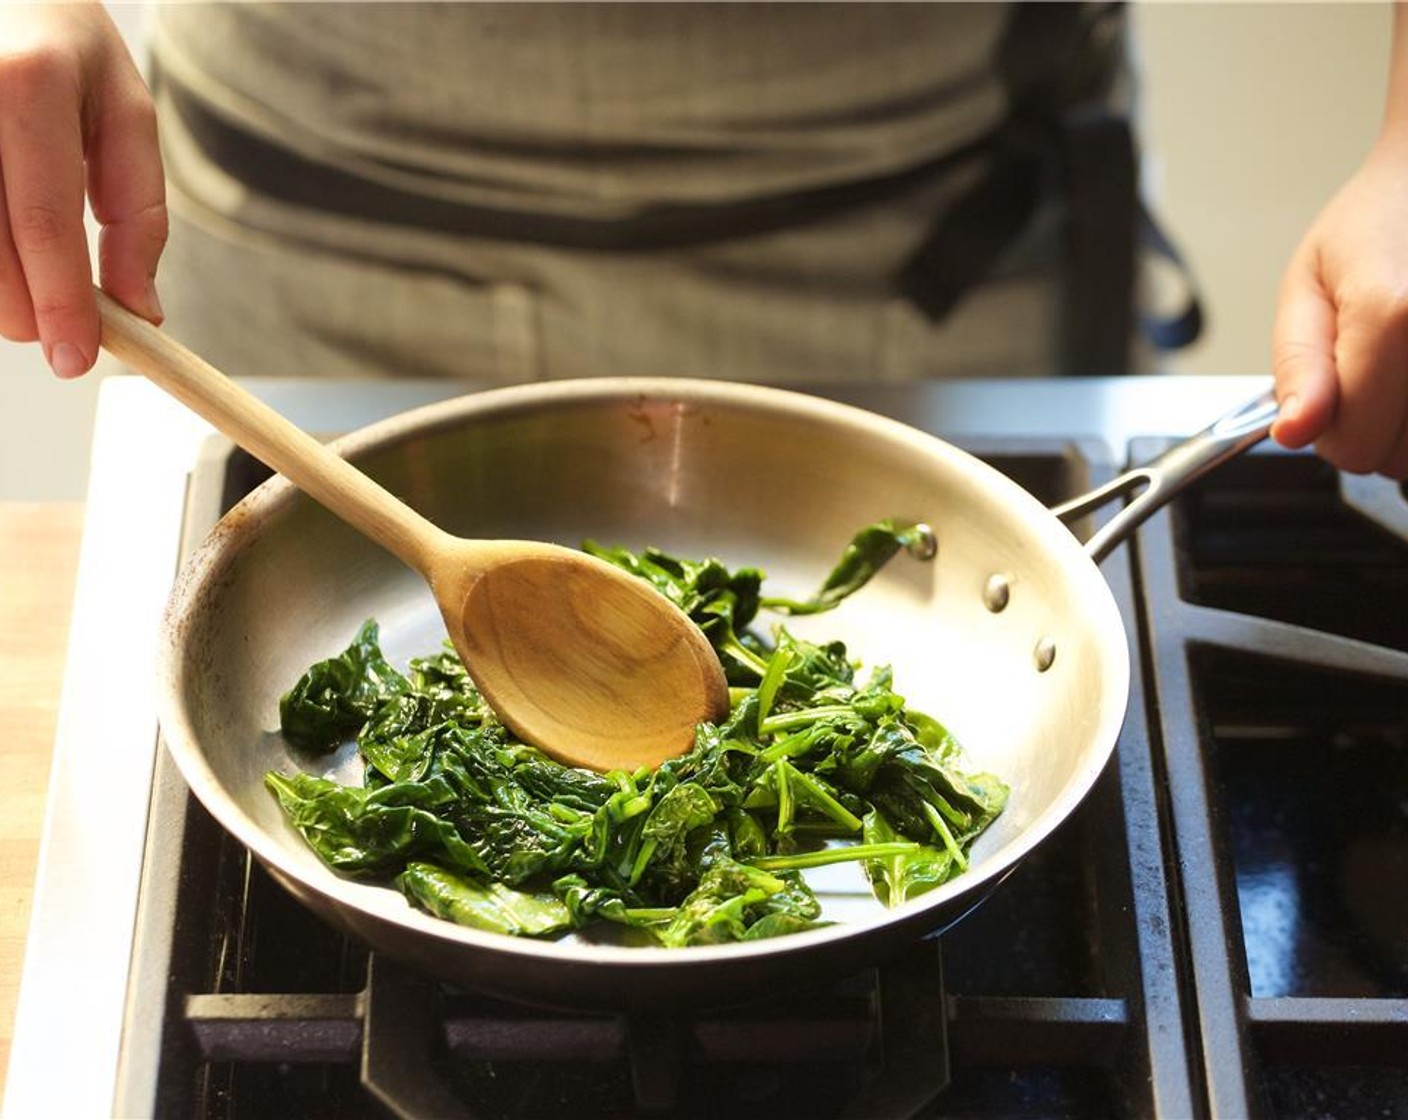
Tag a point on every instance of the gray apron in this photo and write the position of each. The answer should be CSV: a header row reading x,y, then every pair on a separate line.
x,y
512,192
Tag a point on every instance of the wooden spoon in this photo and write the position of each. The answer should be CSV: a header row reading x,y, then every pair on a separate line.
x,y
577,657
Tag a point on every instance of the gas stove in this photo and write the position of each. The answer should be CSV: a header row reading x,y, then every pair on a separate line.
x,y
1220,930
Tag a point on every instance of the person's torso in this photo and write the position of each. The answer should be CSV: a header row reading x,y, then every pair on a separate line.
x,y
597,110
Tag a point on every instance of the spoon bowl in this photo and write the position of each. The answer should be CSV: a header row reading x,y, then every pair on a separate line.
x,y
577,657
590,674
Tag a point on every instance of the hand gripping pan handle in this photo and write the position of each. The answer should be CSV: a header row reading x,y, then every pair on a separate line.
x,y
1159,481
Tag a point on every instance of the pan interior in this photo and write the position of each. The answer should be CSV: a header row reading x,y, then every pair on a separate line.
x,y
752,477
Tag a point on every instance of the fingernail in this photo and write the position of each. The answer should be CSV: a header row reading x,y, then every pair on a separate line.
x,y
67,361
1289,408
151,303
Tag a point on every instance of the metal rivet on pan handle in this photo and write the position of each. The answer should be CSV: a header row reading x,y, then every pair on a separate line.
x,y
925,545
1044,656
997,592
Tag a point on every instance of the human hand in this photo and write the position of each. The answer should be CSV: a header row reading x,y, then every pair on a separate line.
x,y
1340,343
75,109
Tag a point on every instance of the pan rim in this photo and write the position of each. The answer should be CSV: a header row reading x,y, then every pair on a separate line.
x,y
386,906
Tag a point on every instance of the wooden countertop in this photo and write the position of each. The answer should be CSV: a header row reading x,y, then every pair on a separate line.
x,y
38,562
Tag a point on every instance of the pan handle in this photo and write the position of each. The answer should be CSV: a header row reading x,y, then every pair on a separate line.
x,y
1159,480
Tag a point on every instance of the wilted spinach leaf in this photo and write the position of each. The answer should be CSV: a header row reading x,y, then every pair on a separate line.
x,y
903,875
336,697
810,767
490,906
869,551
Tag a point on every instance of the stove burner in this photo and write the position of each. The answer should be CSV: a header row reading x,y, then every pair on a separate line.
x,y
1318,808
1281,681
1286,538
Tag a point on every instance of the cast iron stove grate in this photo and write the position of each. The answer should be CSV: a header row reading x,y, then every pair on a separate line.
x,y
1276,616
1057,997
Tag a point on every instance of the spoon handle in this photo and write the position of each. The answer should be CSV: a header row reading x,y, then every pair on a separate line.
x,y
267,435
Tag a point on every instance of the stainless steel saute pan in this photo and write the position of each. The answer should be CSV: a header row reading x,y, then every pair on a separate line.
x,y
1009,635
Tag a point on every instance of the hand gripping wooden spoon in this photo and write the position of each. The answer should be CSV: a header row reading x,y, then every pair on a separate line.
x,y
577,657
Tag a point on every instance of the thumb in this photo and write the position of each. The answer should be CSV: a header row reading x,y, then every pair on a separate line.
x,y
1303,359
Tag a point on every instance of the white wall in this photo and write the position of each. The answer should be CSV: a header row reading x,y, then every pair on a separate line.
x,y
1253,116
1254,113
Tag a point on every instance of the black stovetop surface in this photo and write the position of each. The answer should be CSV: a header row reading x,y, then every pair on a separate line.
x,y
1221,929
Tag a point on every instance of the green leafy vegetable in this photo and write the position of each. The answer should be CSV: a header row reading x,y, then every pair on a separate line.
x,y
810,767
490,906
869,551
336,697
906,871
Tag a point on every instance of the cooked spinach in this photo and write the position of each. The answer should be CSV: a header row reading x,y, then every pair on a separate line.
x,y
810,767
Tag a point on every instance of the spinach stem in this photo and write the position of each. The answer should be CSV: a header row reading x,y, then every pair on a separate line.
x,y
824,801
647,850
776,671
742,654
941,827
781,780
801,860
941,803
787,748
650,913
801,718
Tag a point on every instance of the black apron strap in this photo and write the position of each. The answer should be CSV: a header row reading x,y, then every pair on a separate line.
x,y
1182,327
966,240
1100,187
1058,61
